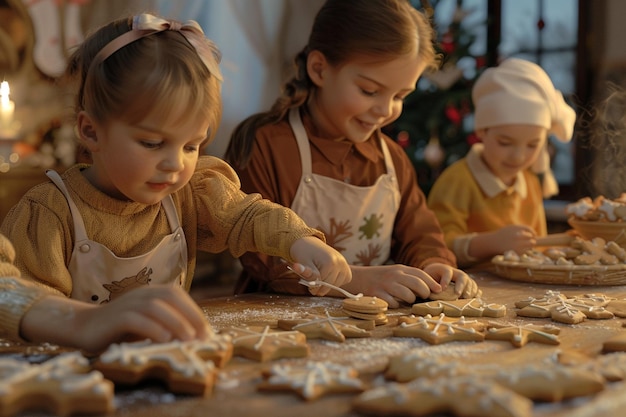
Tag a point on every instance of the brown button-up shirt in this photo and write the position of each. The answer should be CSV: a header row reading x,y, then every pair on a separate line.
x,y
275,170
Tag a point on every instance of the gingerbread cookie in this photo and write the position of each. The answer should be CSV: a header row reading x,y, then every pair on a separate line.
x,y
439,330
328,327
417,364
64,385
368,308
313,379
521,335
471,307
263,344
468,396
551,382
185,367
543,380
563,309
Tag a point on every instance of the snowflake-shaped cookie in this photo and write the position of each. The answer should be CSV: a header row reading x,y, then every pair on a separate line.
x,y
563,309
312,379
328,327
441,329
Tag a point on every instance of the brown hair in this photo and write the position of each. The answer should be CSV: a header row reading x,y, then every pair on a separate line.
x,y
342,30
143,76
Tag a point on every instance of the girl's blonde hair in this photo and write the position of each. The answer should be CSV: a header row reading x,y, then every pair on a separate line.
x,y
144,76
343,30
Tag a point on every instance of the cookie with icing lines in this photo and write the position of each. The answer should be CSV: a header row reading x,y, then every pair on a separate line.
x,y
468,396
185,367
568,310
261,343
470,307
440,329
312,379
521,335
316,326
64,385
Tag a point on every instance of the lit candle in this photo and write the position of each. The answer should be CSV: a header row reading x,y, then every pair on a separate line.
x,y
7,107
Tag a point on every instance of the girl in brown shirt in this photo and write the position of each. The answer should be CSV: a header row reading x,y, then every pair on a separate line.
x,y
320,151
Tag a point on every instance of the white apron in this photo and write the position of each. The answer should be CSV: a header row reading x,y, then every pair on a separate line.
x,y
357,221
99,276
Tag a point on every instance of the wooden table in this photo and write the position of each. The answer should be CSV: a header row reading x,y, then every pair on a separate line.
x,y
235,393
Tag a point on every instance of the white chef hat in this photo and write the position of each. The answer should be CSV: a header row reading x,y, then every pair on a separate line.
x,y
520,92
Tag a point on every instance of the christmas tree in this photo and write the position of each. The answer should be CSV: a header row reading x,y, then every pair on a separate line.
x,y
436,125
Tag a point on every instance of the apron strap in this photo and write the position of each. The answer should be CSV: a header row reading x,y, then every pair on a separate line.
x,y
79,225
302,138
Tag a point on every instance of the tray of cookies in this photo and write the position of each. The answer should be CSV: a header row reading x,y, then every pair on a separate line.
x,y
600,217
582,262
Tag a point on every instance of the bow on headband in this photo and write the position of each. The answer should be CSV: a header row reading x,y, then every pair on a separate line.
x,y
147,24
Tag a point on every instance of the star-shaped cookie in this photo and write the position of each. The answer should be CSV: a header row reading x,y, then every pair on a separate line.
x,y
463,396
328,327
441,329
471,307
313,379
263,344
521,335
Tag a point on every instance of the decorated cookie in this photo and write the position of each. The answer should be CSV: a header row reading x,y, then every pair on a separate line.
x,y
521,335
185,367
545,379
327,327
64,385
263,344
563,309
440,329
471,307
313,379
469,396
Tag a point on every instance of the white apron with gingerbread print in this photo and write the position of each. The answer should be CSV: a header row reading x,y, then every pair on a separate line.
x,y
99,276
357,221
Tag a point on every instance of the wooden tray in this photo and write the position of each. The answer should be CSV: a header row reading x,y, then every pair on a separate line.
x,y
561,274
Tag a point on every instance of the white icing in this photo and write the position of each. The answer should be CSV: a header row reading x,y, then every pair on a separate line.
x,y
68,368
188,364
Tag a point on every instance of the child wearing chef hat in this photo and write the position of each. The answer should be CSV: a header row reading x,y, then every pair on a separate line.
x,y
491,201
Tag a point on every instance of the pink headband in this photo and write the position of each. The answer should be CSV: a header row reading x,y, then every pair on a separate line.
x,y
147,24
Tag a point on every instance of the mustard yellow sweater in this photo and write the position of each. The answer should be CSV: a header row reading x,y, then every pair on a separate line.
x,y
214,213
467,199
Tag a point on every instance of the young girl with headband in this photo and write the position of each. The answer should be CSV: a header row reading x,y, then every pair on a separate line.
x,y
148,100
320,151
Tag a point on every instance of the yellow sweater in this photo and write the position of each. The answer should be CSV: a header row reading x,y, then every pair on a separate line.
x,y
468,199
214,213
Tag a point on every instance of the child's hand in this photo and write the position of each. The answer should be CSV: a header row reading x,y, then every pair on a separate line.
x,y
317,260
464,285
393,283
514,237
157,312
